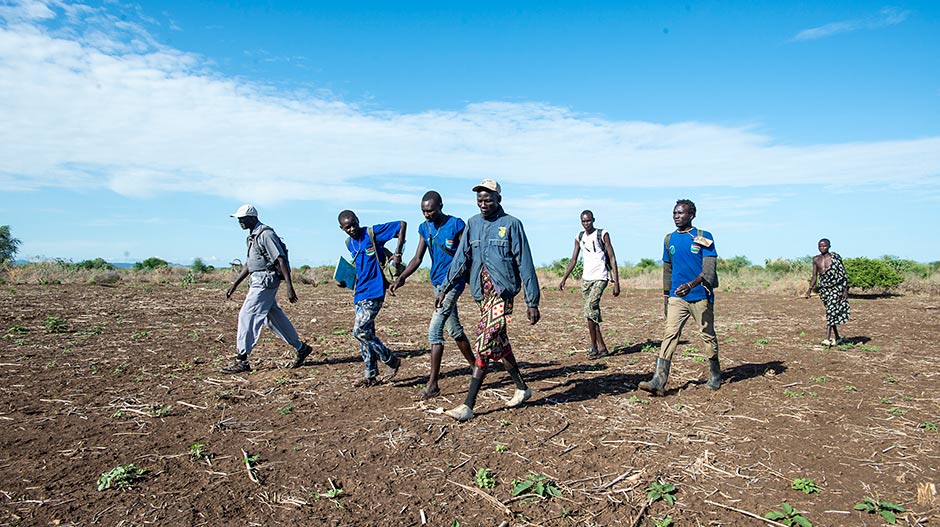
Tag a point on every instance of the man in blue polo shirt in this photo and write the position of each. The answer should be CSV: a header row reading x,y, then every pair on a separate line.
x,y
689,281
440,235
370,286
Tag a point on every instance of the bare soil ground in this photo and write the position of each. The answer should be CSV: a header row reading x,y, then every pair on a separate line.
x,y
134,378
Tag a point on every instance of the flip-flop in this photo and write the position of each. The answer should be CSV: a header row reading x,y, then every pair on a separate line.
x,y
424,394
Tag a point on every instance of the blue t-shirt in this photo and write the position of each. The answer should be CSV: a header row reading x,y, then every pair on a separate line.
x,y
442,244
686,257
369,282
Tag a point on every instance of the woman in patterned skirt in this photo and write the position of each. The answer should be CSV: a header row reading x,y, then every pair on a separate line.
x,y
833,289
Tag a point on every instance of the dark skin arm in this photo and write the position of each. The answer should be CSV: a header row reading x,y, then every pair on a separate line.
x,y
412,265
817,263
285,272
402,229
533,315
238,280
571,263
613,263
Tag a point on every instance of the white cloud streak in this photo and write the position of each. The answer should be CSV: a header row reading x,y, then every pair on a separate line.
x,y
97,102
888,16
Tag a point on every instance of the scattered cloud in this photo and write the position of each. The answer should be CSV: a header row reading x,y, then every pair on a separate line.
x,y
888,16
94,101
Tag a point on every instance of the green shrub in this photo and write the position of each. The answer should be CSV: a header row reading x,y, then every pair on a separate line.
x,y
865,273
558,268
199,266
782,266
97,263
647,263
150,264
910,267
733,265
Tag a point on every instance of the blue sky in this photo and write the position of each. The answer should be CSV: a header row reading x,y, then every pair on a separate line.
x,y
133,130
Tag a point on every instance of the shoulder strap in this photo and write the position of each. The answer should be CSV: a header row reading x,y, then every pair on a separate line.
x,y
434,239
580,236
380,255
254,239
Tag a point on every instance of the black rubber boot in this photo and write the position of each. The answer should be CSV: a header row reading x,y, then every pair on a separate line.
x,y
657,385
714,374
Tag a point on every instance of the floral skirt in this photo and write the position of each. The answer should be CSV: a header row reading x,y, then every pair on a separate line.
x,y
492,341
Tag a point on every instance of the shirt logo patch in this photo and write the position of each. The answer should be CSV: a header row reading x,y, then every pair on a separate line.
x,y
449,244
370,251
501,232
695,249
672,249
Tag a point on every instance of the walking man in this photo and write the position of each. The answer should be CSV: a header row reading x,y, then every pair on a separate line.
x,y
829,273
440,234
495,250
267,266
367,247
689,280
599,264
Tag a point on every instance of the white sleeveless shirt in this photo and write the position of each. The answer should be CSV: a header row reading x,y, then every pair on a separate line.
x,y
595,257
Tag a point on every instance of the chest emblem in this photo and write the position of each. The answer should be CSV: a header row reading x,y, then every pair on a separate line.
x,y
370,251
501,232
695,249
449,244
672,249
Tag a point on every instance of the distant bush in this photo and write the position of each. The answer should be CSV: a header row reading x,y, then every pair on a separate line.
x,y
96,264
865,273
199,266
904,267
558,268
782,265
150,264
733,265
647,263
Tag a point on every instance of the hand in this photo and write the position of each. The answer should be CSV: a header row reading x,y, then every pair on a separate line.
x,y
398,283
533,315
845,294
616,288
439,300
561,286
340,283
230,292
291,294
396,258
683,289
806,295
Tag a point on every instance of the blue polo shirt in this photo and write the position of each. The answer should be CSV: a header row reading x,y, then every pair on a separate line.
x,y
442,244
369,282
686,257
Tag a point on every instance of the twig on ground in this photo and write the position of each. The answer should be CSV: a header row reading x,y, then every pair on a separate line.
x,y
639,515
493,501
746,513
248,468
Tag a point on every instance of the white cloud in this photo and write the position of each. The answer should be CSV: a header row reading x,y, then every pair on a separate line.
x,y
888,16
98,103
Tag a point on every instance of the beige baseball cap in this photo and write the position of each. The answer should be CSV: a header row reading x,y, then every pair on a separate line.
x,y
489,185
245,210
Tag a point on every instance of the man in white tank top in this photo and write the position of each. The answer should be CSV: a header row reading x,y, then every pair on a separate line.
x,y
599,264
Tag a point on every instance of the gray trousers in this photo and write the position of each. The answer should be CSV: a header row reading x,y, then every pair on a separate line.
x,y
261,309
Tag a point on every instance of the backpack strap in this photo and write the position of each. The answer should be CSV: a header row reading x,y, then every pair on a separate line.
x,y
379,254
434,239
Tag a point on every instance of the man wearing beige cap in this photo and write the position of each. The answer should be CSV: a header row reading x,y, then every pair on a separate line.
x,y
267,265
496,252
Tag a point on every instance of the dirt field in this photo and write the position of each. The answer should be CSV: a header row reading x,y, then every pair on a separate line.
x,y
134,378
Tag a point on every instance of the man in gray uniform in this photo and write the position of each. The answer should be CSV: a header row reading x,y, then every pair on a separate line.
x,y
267,264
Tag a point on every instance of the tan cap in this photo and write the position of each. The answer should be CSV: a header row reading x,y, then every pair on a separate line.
x,y
489,185
245,210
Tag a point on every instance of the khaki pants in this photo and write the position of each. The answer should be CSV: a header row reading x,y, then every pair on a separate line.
x,y
678,312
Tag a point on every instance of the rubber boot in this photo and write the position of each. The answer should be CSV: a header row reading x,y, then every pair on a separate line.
x,y
657,385
714,374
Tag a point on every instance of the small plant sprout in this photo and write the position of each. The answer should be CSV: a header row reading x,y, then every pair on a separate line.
x,y
120,477
334,492
885,400
665,522
287,409
806,485
485,479
636,400
851,388
162,411
928,426
15,330
891,380
762,341
898,411
55,325
505,448
535,484
819,380
886,509
788,515
197,451
660,490
139,335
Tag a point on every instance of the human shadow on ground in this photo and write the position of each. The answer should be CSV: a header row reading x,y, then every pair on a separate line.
x,y
493,367
580,389
856,340
874,296
640,346
325,360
